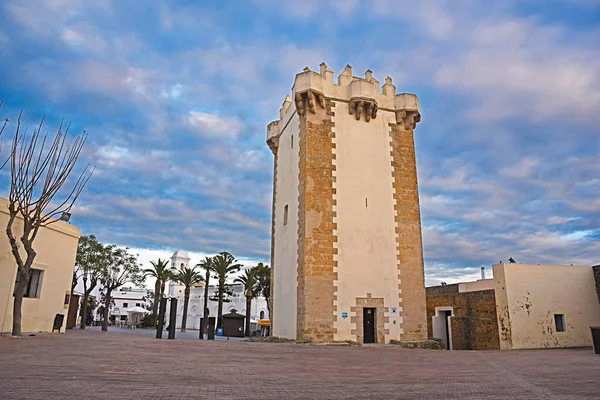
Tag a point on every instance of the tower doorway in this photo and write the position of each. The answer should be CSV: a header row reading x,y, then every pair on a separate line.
x,y
369,325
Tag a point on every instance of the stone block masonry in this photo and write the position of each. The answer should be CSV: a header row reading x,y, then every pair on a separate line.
x,y
315,228
411,275
474,323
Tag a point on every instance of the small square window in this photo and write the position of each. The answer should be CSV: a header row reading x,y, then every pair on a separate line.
x,y
138,304
125,305
559,322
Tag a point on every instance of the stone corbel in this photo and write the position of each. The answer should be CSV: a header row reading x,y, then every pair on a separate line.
x,y
273,144
358,107
308,101
408,119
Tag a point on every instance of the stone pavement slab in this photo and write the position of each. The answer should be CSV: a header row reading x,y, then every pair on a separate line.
x,y
97,365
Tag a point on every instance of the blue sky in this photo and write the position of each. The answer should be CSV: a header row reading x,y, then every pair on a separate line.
x,y
176,96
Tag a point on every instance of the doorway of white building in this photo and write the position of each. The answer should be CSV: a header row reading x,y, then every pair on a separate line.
x,y
442,328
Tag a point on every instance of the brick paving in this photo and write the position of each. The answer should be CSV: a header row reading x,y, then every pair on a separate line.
x,y
96,365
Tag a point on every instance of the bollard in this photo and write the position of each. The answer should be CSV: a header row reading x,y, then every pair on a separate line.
x,y
172,318
211,328
161,317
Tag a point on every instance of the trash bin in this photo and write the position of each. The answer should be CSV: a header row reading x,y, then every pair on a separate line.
x,y
596,338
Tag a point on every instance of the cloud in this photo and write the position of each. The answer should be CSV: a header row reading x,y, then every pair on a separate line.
x,y
211,124
83,35
41,18
176,98
511,65
309,8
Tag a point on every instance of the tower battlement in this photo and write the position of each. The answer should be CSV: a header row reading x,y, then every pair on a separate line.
x,y
364,96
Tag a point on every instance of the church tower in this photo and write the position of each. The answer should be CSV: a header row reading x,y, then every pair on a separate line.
x,y
179,260
346,250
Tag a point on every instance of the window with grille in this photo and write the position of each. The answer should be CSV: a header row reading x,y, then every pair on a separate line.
x,y
34,286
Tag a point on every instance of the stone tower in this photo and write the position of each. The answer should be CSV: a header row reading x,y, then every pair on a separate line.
x,y
346,249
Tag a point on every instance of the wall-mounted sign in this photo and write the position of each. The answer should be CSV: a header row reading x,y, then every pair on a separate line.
x,y
67,298
344,315
394,310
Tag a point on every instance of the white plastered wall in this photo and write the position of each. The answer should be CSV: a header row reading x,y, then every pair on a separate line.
x,y
531,294
366,238
286,242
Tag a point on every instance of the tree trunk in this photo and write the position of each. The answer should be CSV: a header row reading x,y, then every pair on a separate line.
x,y
248,306
156,300
24,268
186,301
19,293
106,306
220,310
83,312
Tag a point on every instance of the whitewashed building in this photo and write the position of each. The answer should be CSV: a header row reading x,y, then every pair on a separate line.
x,y
126,298
236,301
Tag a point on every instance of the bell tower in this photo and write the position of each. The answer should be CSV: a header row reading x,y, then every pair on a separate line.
x,y
347,253
179,260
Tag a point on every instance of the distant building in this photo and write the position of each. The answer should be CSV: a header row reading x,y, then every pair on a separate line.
x,y
125,298
524,306
49,287
236,301
179,260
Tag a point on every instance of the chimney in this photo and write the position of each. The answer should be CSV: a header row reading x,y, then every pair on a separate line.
x,y
482,272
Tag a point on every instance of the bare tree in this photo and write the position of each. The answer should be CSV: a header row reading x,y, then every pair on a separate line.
x,y
39,167
3,163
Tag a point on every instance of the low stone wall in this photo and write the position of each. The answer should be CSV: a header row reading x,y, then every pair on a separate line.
x,y
474,323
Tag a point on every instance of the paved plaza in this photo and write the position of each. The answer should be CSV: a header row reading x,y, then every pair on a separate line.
x,y
130,365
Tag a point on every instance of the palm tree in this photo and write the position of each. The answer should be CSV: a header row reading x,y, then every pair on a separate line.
x,y
188,277
249,282
162,272
207,265
223,265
